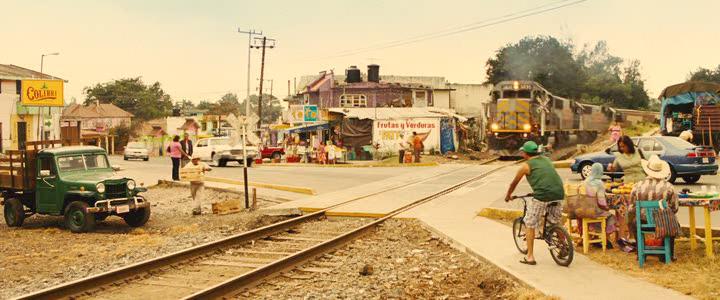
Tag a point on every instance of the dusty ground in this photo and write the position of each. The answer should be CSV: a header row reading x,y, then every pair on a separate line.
x,y
42,253
692,274
400,261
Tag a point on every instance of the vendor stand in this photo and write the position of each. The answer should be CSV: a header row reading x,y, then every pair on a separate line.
x,y
708,205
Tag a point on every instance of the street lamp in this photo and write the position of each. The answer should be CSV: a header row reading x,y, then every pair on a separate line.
x,y
42,58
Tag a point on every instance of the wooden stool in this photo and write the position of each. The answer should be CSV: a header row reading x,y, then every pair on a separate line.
x,y
586,236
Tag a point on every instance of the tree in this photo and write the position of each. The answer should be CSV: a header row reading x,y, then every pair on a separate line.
x,y
131,94
593,75
543,59
702,74
271,109
228,104
205,105
182,107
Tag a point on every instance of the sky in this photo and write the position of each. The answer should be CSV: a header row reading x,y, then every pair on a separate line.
x,y
194,50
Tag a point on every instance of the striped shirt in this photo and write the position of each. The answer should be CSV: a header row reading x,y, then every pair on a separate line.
x,y
653,189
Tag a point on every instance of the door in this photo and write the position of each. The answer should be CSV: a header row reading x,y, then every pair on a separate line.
x,y
650,146
21,134
202,149
48,199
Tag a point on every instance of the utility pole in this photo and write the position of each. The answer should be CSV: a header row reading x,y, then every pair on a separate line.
x,y
250,34
263,44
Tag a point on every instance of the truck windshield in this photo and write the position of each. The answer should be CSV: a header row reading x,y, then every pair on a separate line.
x,y
82,162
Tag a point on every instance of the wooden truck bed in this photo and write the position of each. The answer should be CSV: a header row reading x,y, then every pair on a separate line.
x,y
18,167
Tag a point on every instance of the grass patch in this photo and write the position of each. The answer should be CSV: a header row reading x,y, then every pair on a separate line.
x,y
639,129
692,274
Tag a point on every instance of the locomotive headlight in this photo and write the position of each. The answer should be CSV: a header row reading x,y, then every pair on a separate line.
x,y
527,127
494,126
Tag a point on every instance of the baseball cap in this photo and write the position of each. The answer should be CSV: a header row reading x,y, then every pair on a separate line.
x,y
529,147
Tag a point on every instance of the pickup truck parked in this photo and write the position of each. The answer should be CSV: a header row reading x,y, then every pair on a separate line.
x,y
76,182
219,151
272,152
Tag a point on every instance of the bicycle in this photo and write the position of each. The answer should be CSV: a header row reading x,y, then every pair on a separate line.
x,y
559,241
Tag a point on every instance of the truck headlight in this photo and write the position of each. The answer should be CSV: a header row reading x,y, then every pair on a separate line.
x,y
100,187
527,127
131,184
494,126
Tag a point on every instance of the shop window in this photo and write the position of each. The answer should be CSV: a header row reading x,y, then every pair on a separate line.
x,y
559,104
353,100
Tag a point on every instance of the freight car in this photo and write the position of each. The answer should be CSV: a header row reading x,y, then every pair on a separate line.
x,y
521,111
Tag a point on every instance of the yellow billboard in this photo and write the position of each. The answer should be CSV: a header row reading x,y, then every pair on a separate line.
x,y
42,93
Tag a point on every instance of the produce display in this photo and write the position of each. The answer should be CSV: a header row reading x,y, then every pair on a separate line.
x,y
619,188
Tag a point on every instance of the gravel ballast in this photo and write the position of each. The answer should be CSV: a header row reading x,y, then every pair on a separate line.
x,y
401,260
43,253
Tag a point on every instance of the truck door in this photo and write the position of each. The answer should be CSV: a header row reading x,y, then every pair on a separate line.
x,y
47,196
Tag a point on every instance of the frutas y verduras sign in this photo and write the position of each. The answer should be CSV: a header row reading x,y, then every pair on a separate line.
x,y
390,133
42,93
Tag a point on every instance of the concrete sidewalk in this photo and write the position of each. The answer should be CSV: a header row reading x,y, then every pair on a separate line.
x,y
454,217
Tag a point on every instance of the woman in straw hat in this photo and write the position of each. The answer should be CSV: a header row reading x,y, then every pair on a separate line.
x,y
655,187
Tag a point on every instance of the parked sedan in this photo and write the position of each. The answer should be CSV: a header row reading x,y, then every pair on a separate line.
x,y
686,160
136,150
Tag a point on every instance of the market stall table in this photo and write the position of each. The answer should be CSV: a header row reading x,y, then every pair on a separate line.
x,y
708,205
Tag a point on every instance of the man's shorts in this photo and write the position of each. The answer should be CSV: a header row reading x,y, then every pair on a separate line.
x,y
536,212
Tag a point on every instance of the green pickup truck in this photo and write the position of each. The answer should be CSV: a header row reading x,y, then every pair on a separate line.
x,y
76,182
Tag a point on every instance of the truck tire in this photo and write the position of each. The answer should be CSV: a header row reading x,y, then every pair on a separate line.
x,y
222,163
276,155
137,218
77,219
14,212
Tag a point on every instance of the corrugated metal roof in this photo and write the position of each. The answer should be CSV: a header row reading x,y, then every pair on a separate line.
x,y
13,72
393,113
102,110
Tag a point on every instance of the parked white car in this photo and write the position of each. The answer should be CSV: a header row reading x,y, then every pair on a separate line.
x,y
219,151
136,150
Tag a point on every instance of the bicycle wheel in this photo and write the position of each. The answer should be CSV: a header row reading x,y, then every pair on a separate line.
x,y
519,235
560,244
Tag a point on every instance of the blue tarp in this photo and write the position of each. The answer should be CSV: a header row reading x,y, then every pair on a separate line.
x,y
309,128
695,98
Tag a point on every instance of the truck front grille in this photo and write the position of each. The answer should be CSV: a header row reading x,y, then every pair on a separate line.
x,y
116,190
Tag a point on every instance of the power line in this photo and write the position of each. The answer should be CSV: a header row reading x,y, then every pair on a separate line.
x,y
460,29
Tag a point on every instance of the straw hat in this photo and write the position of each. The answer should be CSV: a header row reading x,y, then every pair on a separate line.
x,y
656,167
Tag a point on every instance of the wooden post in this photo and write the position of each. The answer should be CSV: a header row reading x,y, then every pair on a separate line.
x,y
112,144
254,199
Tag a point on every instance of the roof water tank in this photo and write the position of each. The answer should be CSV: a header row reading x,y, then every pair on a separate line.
x,y
374,73
352,74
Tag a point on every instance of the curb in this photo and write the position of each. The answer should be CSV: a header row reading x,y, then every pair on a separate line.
x,y
287,188
276,200
500,214
373,165
563,164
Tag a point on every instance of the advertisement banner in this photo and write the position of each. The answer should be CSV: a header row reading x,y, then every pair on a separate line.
x,y
311,113
42,93
390,133
297,114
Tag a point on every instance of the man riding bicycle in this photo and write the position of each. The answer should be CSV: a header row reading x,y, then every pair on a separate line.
x,y
547,188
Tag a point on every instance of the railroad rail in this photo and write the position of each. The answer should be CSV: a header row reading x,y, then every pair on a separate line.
x,y
222,268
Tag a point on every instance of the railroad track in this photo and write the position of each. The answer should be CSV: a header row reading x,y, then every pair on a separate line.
x,y
223,268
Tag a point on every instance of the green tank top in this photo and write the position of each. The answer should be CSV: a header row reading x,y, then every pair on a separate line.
x,y
544,180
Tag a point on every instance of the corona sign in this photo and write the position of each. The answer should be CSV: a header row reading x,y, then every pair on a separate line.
x,y
42,93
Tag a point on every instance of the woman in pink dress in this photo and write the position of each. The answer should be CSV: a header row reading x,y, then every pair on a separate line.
x,y
176,153
615,132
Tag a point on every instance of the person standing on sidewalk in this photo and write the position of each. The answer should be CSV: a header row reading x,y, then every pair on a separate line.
x,y
187,146
176,154
417,145
402,146
197,185
547,187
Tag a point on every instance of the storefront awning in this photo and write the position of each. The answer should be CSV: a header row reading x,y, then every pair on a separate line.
x,y
309,127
